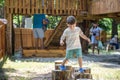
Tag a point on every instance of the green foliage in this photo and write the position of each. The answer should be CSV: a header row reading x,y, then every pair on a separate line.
x,y
53,21
105,23
2,3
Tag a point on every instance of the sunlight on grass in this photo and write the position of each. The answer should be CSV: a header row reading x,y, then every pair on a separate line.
x,y
18,69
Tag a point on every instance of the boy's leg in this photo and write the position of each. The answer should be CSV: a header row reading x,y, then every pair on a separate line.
x,y
64,61
36,43
42,43
62,67
79,55
80,61
93,48
98,48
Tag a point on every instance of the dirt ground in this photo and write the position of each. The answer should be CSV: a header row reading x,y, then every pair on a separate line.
x,y
40,68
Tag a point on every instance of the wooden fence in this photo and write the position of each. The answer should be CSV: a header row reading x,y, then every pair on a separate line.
x,y
2,39
52,7
105,6
24,38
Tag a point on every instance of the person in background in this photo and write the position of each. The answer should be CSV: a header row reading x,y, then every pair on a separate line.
x,y
38,31
114,42
45,24
95,35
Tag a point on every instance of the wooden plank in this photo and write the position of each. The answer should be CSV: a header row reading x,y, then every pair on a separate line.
x,y
24,6
29,53
75,7
8,6
1,54
45,9
41,7
52,3
11,6
8,33
50,53
72,7
105,6
33,6
57,6
49,6
16,6
28,7
68,7
37,6
43,53
19,6
61,7
17,39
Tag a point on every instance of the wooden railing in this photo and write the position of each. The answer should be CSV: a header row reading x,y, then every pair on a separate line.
x,y
52,7
104,7
2,39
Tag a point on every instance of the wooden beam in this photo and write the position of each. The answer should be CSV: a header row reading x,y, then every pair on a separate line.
x,y
9,33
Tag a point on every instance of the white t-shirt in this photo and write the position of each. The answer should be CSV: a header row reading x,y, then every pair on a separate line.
x,y
72,38
28,23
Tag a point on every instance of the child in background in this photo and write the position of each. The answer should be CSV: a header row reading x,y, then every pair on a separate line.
x,y
72,36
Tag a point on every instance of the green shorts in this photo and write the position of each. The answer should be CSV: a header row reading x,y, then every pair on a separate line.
x,y
74,52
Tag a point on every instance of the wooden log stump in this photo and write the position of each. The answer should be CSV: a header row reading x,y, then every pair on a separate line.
x,y
58,62
86,70
84,79
68,67
83,76
61,75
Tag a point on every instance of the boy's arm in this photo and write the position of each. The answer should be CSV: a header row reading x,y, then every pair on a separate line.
x,y
62,38
84,36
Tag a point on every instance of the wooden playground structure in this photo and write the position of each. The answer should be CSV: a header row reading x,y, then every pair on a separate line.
x,y
15,39
83,10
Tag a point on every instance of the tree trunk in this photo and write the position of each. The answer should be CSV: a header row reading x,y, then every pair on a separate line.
x,y
85,28
114,28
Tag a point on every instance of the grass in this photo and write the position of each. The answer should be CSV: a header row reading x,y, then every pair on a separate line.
x,y
103,73
24,70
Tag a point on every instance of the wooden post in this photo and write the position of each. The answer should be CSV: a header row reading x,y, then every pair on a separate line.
x,y
61,75
9,36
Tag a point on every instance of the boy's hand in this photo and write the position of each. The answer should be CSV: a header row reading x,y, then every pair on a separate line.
x,y
61,43
88,40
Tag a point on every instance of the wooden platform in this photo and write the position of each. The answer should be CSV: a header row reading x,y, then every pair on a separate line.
x,y
51,7
43,53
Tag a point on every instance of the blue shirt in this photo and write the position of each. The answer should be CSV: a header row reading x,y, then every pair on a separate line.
x,y
38,20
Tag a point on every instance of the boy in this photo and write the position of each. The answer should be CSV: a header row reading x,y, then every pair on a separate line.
x,y
71,34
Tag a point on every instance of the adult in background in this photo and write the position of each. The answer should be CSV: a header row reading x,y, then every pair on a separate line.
x,y
114,42
38,32
95,35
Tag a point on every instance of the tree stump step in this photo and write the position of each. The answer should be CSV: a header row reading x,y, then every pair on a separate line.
x,y
84,79
86,69
68,67
83,76
59,62
61,75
